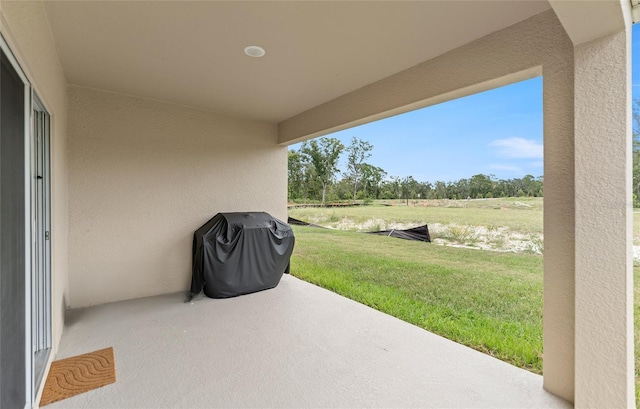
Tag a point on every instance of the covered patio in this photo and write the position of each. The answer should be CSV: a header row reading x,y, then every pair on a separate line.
x,y
295,346
126,125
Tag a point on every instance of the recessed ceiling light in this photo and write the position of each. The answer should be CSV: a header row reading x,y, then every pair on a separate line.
x,y
254,51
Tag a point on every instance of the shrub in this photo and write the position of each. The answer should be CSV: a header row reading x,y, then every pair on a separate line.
x,y
459,234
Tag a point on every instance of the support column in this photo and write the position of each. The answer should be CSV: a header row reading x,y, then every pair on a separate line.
x,y
559,227
604,362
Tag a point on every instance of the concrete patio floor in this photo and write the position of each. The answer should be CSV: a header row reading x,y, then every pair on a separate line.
x,y
293,346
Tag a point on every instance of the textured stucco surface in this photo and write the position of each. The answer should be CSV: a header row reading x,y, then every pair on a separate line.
x,y
604,228
296,346
534,46
25,27
143,176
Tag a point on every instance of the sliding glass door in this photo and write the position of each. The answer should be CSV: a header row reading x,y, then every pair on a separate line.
x,y
25,245
14,231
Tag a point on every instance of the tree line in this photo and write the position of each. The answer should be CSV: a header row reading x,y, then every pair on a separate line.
x,y
313,176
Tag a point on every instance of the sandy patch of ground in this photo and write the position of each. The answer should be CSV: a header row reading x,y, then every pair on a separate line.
x,y
371,225
480,237
475,237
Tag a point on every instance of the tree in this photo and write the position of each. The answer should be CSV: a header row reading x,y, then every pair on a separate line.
x,y
424,189
359,151
409,187
371,177
441,190
295,174
323,154
395,182
480,185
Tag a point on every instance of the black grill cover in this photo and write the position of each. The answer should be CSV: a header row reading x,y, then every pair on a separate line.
x,y
240,253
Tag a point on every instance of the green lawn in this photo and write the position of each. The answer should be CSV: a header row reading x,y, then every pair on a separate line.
x,y
521,214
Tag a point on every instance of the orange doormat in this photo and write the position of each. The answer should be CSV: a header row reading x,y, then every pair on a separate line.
x,y
72,376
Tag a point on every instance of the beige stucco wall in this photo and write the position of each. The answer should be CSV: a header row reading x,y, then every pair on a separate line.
x,y
143,176
538,45
26,29
604,224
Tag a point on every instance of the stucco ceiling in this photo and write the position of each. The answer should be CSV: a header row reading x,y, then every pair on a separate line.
x,y
191,53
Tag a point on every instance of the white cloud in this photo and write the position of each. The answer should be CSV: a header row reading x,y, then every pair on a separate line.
x,y
500,166
537,164
518,148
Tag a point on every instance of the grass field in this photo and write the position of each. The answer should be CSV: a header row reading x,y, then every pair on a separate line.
x,y
513,224
488,300
522,214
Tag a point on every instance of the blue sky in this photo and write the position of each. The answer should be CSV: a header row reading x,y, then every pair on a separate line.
x,y
496,132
